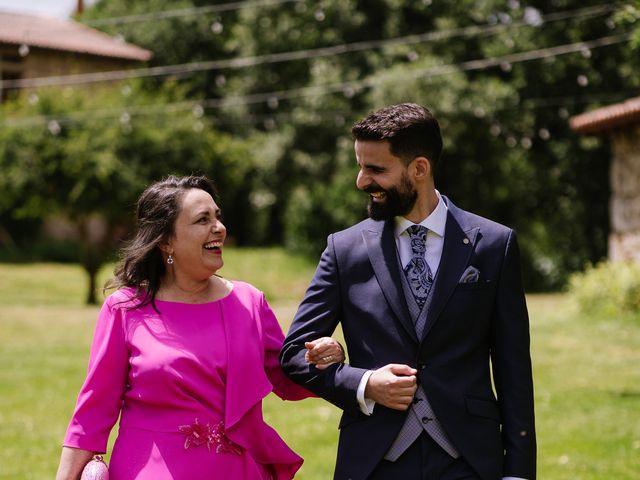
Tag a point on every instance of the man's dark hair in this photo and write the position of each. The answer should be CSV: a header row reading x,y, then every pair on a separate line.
x,y
411,130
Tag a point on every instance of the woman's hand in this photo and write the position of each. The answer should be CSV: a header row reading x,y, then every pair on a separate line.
x,y
323,352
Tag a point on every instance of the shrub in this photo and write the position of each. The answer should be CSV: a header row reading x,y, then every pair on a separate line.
x,y
607,289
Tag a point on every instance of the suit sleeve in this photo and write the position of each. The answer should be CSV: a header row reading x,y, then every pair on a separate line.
x,y
511,364
100,398
318,316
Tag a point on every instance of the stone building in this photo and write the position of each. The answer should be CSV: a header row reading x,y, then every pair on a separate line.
x,y
622,123
33,46
35,49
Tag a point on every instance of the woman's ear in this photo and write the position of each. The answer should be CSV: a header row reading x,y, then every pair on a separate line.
x,y
165,248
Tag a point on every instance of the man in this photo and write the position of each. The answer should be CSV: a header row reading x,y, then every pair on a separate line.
x,y
432,308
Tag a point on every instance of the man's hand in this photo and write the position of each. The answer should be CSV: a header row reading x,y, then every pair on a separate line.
x,y
323,352
393,386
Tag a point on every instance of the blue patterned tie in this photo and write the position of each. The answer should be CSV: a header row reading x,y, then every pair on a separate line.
x,y
417,270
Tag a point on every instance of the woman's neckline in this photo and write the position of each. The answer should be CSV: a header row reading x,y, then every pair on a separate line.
x,y
229,284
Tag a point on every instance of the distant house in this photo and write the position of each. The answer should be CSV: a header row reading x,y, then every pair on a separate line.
x,y
34,46
622,123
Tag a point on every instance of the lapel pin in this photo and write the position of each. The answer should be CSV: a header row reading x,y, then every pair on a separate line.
x,y
465,241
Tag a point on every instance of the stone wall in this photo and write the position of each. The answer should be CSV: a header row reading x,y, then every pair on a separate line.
x,y
624,239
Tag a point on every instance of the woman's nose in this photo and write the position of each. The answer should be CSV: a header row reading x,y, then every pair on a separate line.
x,y
218,227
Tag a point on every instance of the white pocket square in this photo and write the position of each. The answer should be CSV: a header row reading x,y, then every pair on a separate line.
x,y
470,275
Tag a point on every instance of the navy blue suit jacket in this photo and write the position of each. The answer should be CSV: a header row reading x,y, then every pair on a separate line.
x,y
475,331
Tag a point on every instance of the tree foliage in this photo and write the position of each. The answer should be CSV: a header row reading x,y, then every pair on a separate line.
x,y
92,175
509,152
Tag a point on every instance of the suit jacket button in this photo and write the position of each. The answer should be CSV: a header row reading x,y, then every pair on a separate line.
x,y
426,420
422,366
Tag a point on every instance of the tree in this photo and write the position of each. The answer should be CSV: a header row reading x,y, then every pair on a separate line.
x,y
90,170
509,153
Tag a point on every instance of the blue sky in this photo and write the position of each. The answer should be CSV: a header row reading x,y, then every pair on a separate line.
x,y
55,8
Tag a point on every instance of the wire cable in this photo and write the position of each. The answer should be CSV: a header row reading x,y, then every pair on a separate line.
x,y
225,7
349,87
243,62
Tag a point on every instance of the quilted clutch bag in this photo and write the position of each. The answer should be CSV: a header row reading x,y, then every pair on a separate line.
x,y
96,469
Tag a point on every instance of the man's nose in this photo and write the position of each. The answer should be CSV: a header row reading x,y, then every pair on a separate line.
x,y
362,181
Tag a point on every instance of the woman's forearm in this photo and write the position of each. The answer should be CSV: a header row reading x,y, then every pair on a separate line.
x,y
72,461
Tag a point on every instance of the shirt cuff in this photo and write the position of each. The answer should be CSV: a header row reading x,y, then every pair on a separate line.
x,y
513,478
366,405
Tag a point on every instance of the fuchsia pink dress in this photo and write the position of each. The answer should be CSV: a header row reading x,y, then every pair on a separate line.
x,y
188,385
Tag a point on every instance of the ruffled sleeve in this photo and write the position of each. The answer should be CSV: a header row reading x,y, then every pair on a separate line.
x,y
100,398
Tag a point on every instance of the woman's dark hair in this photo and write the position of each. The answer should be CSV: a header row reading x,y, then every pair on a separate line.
x,y
141,264
411,130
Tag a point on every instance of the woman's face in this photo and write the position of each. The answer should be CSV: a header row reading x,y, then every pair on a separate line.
x,y
196,244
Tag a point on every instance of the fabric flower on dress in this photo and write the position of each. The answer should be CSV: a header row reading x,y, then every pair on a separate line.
x,y
197,435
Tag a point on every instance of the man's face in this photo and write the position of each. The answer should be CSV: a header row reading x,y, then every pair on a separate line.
x,y
384,177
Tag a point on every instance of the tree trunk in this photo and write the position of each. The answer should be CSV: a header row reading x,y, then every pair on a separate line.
x,y
91,257
91,294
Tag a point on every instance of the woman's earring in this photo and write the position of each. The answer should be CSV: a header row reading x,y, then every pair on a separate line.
x,y
170,259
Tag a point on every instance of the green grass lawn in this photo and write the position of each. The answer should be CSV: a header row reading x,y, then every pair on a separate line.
x,y
587,374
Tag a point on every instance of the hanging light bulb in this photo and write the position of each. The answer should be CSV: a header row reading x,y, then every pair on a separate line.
x,y
54,127
544,134
217,27
272,103
198,111
526,143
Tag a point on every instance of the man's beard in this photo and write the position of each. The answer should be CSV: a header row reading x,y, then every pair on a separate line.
x,y
398,200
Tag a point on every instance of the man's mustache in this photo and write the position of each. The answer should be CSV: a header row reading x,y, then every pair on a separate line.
x,y
374,189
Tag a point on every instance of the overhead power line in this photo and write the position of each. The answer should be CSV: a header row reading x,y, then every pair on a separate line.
x,y
183,12
348,87
472,65
243,62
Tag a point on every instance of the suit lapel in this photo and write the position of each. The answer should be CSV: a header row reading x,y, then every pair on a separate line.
x,y
381,248
456,251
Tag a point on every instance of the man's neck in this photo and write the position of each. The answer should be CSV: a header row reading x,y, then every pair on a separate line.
x,y
423,207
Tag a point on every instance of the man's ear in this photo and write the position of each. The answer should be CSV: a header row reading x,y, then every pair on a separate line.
x,y
422,168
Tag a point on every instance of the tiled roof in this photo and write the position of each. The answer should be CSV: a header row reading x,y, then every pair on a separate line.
x,y
608,118
67,35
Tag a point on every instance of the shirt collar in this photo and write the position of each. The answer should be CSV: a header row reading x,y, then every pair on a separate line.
x,y
435,222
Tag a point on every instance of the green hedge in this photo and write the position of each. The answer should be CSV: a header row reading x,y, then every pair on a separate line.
x,y
607,289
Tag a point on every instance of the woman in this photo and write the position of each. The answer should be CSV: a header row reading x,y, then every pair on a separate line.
x,y
184,356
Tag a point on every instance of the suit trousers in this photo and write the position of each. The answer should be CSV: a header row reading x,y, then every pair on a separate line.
x,y
424,460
